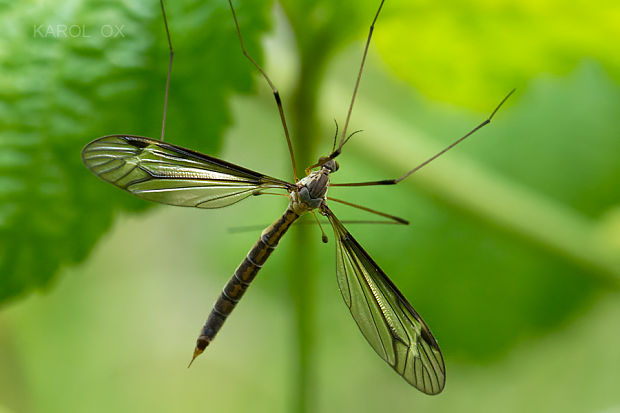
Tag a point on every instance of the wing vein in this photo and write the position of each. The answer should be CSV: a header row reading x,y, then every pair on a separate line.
x,y
360,277
169,174
385,314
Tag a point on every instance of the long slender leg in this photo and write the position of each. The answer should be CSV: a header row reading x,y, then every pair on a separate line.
x,y
343,138
373,211
253,228
163,122
447,148
276,94
357,83
368,221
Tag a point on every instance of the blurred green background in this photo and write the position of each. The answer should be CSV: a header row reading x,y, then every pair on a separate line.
x,y
512,256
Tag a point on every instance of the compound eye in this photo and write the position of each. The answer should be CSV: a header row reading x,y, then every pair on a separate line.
x,y
336,166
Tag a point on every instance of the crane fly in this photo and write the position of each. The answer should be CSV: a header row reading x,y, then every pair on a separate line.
x,y
169,174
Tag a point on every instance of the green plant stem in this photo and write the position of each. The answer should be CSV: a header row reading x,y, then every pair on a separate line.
x,y
302,280
13,383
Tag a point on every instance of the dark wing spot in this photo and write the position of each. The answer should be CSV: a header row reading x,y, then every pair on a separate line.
x,y
428,337
138,143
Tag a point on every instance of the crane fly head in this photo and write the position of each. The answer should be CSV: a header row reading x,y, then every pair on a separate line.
x,y
329,163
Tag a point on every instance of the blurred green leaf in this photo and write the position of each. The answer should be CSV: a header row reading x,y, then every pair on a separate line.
x,y
76,71
321,26
467,52
508,227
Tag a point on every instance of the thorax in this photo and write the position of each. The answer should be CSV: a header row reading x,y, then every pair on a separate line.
x,y
311,191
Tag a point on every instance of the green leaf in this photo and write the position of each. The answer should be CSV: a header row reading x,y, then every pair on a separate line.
x,y
468,52
515,230
75,72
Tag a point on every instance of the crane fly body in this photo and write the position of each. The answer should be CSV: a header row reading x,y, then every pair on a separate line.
x,y
161,172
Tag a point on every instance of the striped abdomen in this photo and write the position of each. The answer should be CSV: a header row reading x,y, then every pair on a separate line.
x,y
243,276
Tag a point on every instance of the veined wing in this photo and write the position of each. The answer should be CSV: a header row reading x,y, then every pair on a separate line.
x,y
385,317
169,174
